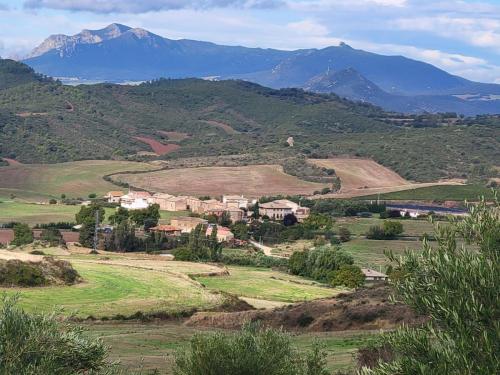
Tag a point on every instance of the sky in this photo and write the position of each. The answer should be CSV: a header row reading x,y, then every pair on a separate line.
x,y
459,36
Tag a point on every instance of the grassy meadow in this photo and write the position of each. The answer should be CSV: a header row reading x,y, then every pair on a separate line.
x,y
40,182
268,285
439,193
32,213
152,346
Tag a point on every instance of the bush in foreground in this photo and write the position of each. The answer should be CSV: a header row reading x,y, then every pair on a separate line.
x,y
251,351
457,287
38,344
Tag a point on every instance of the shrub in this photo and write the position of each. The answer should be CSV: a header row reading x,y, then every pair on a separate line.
x,y
40,344
348,275
17,273
375,232
392,228
344,234
22,235
250,351
255,260
52,201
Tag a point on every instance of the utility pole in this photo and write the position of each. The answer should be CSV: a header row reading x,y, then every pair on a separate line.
x,y
96,232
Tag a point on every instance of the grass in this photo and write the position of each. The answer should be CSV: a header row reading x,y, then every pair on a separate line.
x,y
31,213
152,346
439,193
266,284
370,253
113,289
359,226
75,179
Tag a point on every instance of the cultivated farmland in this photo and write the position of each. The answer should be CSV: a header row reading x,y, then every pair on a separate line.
x,y
252,181
364,177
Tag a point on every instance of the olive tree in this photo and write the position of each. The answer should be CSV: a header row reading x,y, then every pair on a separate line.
x,y
456,285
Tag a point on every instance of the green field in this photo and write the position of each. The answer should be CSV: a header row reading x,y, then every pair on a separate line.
x,y
124,284
359,226
108,290
439,193
152,346
371,253
75,179
32,213
268,285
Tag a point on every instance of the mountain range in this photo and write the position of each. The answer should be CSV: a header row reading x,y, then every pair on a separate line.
x,y
119,53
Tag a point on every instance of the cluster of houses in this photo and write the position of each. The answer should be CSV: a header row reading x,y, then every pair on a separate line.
x,y
234,206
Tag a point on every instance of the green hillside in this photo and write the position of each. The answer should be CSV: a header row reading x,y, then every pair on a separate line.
x,y
44,121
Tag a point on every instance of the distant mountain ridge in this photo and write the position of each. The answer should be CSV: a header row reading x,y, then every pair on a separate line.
x,y
120,53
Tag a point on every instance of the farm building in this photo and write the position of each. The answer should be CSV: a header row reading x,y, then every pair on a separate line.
x,y
372,275
235,201
168,230
278,209
169,202
135,200
114,196
193,204
187,224
235,214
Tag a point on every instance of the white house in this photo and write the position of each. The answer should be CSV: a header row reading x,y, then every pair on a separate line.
x,y
135,200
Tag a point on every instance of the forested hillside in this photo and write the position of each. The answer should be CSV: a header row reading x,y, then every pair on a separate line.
x,y
44,121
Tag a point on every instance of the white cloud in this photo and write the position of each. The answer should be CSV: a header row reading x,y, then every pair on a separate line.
x,y
144,6
481,32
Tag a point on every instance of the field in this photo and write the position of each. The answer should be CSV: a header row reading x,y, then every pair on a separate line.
x,y
251,181
75,179
267,285
152,346
32,213
439,193
117,283
361,177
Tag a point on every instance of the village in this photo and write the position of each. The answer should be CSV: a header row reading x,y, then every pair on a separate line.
x,y
235,207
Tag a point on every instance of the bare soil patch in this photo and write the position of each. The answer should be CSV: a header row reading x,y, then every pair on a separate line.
x,y
360,177
227,128
175,136
158,147
366,309
252,181
12,162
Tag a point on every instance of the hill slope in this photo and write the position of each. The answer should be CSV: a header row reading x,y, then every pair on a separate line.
x,y
45,121
120,53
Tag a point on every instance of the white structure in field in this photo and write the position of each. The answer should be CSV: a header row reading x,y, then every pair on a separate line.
x,y
372,275
135,200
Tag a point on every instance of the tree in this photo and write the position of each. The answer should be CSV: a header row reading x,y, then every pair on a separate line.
x,y
92,195
392,229
289,220
457,287
349,276
250,351
53,236
375,232
298,262
215,248
152,214
224,219
121,214
40,344
318,222
255,212
344,234
22,235
87,214
122,238
52,201
240,230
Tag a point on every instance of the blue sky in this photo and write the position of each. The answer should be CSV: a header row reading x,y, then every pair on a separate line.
x,y
462,37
